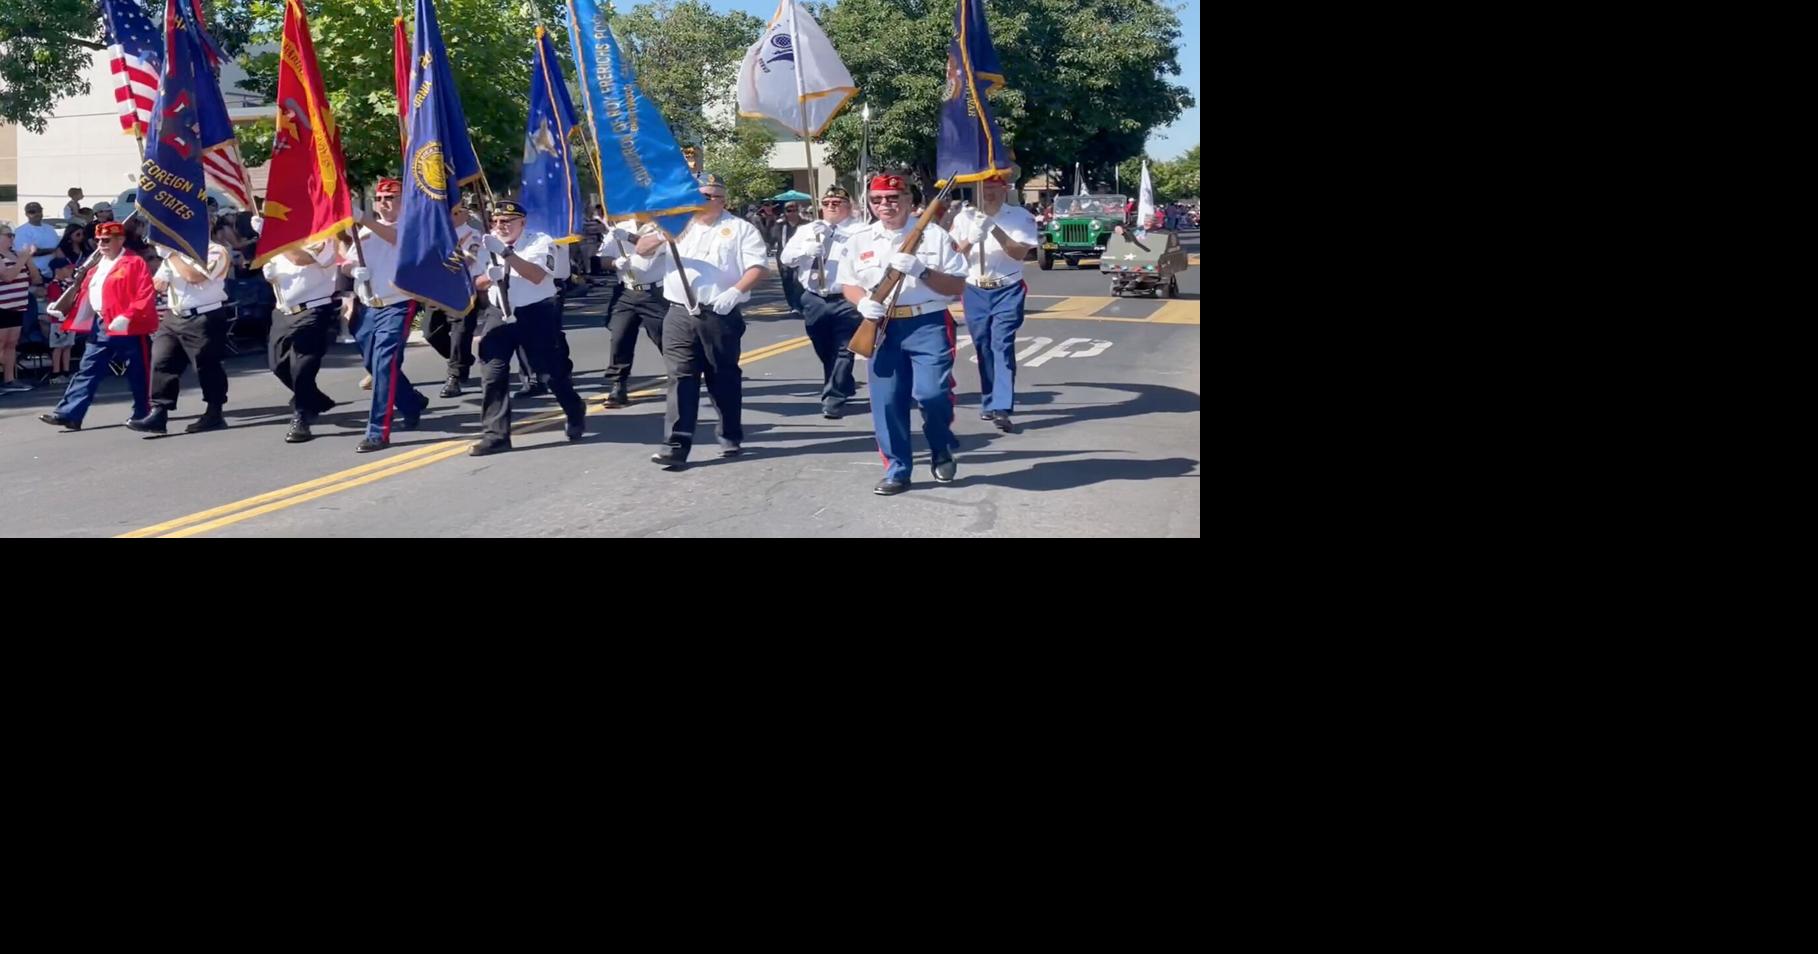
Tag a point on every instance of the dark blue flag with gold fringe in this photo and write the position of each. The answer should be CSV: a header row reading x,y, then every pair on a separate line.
x,y
549,190
172,196
971,146
441,160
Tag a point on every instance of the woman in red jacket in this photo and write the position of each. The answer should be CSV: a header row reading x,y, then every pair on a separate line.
x,y
117,305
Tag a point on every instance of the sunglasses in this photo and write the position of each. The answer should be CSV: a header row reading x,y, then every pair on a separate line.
x,y
879,199
833,201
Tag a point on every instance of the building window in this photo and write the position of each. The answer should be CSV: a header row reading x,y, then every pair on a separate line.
x,y
9,193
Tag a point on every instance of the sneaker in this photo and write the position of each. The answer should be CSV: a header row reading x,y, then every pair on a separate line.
x,y
346,339
60,380
15,386
366,383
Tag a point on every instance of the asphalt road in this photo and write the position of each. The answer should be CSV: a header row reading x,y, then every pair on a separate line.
x,y
1107,444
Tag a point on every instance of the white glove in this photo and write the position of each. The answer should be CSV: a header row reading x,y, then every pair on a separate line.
x,y
621,263
976,232
619,234
258,224
163,250
820,229
359,214
729,299
871,309
907,263
361,273
495,272
494,244
117,326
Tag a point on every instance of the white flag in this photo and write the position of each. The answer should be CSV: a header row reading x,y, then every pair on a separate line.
x,y
1079,181
1145,200
792,76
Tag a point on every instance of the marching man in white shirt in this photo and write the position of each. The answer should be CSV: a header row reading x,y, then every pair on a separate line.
x,y
829,319
304,322
194,331
914,357
722,257
637,302
395,401
994,237
526,283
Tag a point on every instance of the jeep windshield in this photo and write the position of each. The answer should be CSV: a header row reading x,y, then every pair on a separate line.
x,y
1102,206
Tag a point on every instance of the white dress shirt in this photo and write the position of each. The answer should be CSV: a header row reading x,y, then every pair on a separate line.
x,y
716,255
1016,223
800,253
300,284
866,256
538,249
182,295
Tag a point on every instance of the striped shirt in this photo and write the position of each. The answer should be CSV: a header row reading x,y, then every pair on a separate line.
x,y
13,292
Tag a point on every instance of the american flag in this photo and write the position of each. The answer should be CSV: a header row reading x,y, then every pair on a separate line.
x,y
224,168
135,51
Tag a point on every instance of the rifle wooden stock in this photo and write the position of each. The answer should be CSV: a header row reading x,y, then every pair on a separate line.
x,y
864,340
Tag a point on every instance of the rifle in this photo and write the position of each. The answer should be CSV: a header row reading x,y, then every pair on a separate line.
x,y
68,299
865,339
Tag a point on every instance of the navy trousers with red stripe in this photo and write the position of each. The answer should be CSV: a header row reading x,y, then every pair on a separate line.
x,y
913,364
382,340
132,350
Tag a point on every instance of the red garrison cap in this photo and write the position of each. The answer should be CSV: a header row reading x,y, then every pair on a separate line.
x,y
887,183
110,228
388,187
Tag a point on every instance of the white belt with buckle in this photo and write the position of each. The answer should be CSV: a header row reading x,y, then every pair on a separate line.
x,y
648,286
309,305
911,311
993,282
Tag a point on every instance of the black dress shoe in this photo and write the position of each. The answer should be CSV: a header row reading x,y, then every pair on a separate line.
x,y
530,391
488,447
152,423
832,411
670,457
452,388
575,428
371,444
890,488
730,449
944,469
618,398
408,422
211,420
299,431
1002,420
984,415
58,420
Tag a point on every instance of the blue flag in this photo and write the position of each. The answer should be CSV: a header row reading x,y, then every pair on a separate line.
x,y
971,146
550,191
442,159
640,165
221,160
172,197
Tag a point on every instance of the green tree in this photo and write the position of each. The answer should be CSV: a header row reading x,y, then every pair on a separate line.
x,y
47,47
1086,79
1172,178
743,161
489,49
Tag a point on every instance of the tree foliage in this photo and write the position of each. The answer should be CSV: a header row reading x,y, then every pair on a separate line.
x,y
1172,178
1087,80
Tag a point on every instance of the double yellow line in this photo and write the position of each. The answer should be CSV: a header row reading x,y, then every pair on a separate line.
x,y
229,514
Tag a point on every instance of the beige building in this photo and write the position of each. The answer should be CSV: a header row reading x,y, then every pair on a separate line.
x,y
9,175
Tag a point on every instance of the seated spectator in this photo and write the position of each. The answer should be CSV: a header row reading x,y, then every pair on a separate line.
x,y
74,204
104,212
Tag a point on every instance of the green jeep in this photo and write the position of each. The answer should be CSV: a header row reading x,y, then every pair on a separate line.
x,y
1082,224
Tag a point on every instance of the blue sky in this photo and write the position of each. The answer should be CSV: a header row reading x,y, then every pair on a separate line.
x,y
1165,143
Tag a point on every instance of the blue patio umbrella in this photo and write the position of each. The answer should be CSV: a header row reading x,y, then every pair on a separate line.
x,y
792,196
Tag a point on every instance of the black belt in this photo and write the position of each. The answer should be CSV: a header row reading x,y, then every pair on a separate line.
x,y
204,310
632,286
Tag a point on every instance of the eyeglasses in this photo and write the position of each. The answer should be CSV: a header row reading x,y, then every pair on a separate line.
x,y
832,202
894,199
385,198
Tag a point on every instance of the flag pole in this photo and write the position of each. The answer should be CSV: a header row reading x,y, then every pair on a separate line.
x,y
801,119
593,134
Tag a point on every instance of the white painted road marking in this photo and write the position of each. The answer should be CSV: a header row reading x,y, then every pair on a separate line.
x,y
1093,348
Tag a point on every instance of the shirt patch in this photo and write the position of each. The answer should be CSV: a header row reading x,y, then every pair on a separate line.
x,y
725,233
866,256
